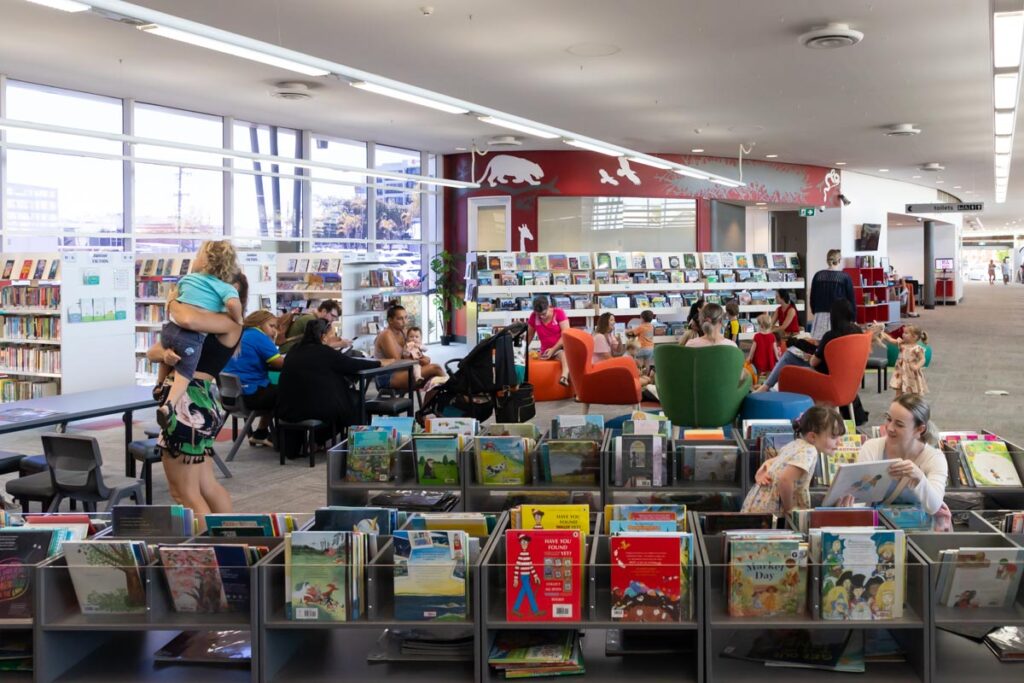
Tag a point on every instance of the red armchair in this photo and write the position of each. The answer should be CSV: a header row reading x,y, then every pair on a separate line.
x,y
612,382
847,357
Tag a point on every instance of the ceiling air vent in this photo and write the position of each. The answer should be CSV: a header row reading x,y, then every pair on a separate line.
x,y
831,37
504,141
933,166
902,130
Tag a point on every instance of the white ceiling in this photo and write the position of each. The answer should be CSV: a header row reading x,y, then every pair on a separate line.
x,y
731,68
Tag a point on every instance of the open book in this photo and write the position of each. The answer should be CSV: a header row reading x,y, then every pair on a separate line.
x,y
867,482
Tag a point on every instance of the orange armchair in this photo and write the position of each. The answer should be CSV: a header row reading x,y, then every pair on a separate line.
x,y
613,382
847,357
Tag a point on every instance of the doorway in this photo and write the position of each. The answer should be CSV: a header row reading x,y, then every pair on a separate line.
x,y
490,224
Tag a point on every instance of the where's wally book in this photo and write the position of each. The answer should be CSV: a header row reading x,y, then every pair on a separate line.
x,y
543,575
431,575
650,577
863,573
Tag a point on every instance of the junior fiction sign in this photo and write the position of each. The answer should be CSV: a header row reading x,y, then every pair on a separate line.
x,y
949,207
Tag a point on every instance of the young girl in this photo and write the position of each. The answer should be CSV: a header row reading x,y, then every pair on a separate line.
x,y
205,287
693,322
908,375
819,429
764,351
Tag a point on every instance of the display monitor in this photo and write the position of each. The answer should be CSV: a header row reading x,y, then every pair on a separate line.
x,y
943,264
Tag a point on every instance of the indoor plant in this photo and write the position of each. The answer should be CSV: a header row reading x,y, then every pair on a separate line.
x,y
447,300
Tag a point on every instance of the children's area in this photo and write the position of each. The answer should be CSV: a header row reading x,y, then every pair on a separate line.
x,y
312,370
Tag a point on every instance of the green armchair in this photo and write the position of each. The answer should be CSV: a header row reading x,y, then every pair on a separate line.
x,y
700,387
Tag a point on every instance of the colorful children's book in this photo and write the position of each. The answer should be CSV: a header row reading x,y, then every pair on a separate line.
x,y
863,573
570,462
437,459
661,427
370,520
980,577
767,577
193,577
991,464
578,427
711,260
26,269
650,577
831,462
867,482
709,463
501,460
318,574
527,430
404,425
639,461
467,426
20,548
371,456
431,575
106,575
543,575
645,512
539,517
475,524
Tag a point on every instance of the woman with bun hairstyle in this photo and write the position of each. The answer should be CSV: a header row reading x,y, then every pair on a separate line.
x,y
827,287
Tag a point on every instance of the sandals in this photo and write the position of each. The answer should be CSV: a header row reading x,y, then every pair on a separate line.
x,y
564,381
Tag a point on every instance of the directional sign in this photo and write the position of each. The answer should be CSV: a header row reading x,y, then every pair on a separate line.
x,y
808,212
949,207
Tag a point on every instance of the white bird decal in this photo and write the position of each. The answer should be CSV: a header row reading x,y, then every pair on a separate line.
x,y
627,172
605,178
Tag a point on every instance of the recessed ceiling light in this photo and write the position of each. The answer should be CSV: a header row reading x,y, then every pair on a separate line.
x,y
832,36
883,170
697,150
460,149
771,156
840,163
969,192
915,176
958,187
760,203
939,182
593,49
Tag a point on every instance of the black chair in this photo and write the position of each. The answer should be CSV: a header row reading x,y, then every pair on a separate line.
x,y
9,462
305,431
146,452
75,463
388,402
33,488
233,400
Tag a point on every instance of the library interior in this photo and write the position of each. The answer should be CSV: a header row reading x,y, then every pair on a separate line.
x,y
673,340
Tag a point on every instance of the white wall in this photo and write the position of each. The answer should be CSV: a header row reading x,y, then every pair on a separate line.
x,y
906,250
824,232
759,230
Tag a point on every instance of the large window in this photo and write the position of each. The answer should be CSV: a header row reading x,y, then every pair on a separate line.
x,y
177,202
267,205
616,223
398,202
339,211
57,200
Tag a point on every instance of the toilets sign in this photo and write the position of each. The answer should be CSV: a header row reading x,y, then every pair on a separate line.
x,y
948,207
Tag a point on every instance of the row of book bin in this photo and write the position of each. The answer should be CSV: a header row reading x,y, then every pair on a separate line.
x,y
515,594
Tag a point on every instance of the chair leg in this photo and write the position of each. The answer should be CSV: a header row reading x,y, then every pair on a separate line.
x,y
311,445
147,476
280,445
862,380
54,505
239,437
586,408
879,380
885,383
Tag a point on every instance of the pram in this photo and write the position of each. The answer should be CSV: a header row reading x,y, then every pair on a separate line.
x,y
484,382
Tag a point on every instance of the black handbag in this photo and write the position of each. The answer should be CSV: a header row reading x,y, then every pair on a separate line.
x,y
515,403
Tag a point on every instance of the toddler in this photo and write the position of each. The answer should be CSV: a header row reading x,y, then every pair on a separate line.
x,y
764,351
732,323
783,482
414,343
908,375
205,287
644,336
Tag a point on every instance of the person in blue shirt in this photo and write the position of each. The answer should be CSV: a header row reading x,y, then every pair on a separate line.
x,y
256,357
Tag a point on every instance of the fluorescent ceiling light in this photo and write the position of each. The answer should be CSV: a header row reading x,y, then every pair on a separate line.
x,y
63,5
697,150
883,170
1007,35
1006,90
691,174
726,182
593,148
771,156
1002,161
234,50
1004,122
648,162
1004,144
529,130
408,97
840,163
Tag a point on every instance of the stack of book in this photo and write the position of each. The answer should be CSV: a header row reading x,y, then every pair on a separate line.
x,y
979,577
325,575
252,524
528,654
767,572
431,575
1013,523
1007,643
209,579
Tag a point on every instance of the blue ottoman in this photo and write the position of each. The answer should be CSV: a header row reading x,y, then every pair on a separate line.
x,y
774,405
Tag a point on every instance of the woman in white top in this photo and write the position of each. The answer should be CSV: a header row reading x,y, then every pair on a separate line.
x,y
909,438
711,317
606,342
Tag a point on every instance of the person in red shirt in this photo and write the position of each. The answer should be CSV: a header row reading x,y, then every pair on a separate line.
x,y
547,323
764,351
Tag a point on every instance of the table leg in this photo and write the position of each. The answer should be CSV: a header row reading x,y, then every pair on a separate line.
x,y
221,466
412,393
363,386
129,461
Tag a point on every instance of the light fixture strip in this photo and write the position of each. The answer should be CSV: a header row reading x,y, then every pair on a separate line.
x,y
63,5
512,125
408,97
145,14
592,147
652,162
12,124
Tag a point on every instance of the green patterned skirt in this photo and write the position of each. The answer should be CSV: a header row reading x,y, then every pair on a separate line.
x,y
195,420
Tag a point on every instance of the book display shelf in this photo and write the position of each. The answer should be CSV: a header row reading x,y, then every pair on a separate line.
x,y
370,287
871,292
955,657
155,275
306,279
503,284
1009,497
260,270
401,477
30,315
613,649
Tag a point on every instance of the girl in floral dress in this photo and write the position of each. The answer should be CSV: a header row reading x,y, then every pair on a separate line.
x,y
908,375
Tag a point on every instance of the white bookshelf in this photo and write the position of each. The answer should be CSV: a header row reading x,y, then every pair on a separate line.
x,y
370,286
30,349
155,275
260,269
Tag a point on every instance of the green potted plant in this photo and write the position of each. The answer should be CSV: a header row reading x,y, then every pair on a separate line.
x,y
447,299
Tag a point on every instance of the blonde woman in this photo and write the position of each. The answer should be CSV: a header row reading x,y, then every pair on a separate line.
x,y
711,318
827,287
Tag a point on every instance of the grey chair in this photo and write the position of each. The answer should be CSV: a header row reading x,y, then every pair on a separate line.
x,y
75,463
233,400
32,488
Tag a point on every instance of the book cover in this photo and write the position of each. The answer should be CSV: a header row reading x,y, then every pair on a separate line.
x,y
867,482
562,517
524,260
714,463
862,574
728,259
184,268
106,576
193,577
570,462
26,269
54,269
711,261
507,261
466,426
984,577
526,430
431,569
833,461
767,577
500,460
475,524
143,521
990,463
717,522
216,647
621,261
662,427
234,562
645,512
238,520
40,269
755,429
437,460
530,647
558,262
629,526
8,269
639,461
19,550
759,260
543,574
318,566
604,261
650,577
404,425
369,520
689,262
370,456
302,266
779,261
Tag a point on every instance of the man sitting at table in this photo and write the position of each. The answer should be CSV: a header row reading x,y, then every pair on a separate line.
x,y
316,384
391,344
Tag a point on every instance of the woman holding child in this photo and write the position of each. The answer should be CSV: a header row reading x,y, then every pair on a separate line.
x,y
393,344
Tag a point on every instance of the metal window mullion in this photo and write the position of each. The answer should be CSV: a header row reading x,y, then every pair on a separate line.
x,y
3,165
371,200
128,174
306,214
228,178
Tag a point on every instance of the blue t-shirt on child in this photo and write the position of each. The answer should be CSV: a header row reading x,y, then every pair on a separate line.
x,y
250,365
205,291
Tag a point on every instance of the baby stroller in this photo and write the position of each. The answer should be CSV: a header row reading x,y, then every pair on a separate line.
x,y
484,382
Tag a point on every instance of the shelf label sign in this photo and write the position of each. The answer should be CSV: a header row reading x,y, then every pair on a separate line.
x,y
947,207
807,212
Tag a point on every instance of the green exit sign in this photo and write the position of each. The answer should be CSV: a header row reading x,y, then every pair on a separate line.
x,y
807,212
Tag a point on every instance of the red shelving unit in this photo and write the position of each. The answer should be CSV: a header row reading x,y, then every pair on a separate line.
x,y
871,292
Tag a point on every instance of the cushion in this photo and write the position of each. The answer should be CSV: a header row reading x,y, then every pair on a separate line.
x,y
774,405
544,376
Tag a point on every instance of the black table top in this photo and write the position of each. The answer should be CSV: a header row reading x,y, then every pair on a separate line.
x,y
385,369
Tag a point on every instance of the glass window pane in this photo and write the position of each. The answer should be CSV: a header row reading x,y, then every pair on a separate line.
x,y
616,223
52,193
398,209
339,211
266,206
177,200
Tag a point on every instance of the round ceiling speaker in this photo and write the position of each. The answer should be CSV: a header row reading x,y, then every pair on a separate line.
x,y
933,166
504,141
902,130
831,37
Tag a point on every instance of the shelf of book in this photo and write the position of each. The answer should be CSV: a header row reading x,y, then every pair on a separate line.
x,y
30,310
1009,496
870,293
402,475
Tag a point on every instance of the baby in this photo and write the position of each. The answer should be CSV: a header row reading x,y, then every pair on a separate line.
x,y
414,343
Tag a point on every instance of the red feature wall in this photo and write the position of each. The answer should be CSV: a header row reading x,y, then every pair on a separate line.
x,y
525,176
